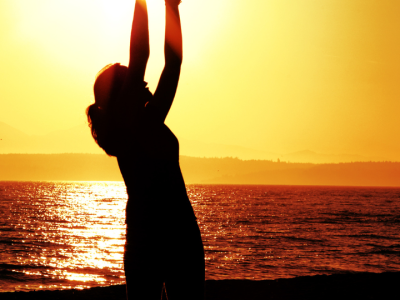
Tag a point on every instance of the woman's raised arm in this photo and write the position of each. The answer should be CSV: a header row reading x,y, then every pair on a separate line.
x,y
166,89
139,47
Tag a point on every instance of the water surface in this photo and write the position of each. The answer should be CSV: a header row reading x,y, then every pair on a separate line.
x,y
59,235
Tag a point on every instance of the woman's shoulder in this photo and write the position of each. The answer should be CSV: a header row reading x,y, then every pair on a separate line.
x,y
136,91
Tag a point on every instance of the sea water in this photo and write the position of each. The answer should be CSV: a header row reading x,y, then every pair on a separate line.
x,y
61,235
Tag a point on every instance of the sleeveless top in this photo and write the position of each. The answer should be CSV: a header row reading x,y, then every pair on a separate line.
x,y
149,164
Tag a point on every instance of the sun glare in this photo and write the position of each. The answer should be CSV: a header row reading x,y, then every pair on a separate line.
x,y
112,13
61,45
116,16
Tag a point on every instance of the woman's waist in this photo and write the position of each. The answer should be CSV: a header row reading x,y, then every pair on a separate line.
x,y
158,200
152,182
155,169
161,210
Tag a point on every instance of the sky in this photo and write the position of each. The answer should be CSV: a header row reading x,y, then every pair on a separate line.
x,y
271,75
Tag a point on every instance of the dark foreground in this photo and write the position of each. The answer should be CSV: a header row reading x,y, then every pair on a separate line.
x,y
341,286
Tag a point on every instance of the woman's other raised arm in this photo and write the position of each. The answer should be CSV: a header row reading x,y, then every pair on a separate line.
x,y
166,89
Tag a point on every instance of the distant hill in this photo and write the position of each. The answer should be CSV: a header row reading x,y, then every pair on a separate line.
x,y
201,149
319,158
100,167
342,174
53,167
78,140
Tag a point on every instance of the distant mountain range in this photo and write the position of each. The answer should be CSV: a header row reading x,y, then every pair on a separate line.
x,y
79,140
100,167
319,158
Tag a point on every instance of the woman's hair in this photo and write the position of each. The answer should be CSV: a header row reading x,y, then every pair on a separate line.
x,y
107,86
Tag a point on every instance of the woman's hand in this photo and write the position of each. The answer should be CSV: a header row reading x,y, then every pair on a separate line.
x,y
173,2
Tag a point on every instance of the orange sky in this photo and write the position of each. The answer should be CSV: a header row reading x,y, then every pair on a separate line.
x,y
272,75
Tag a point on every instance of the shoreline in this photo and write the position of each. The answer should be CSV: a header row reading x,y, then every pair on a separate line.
x,y
336,286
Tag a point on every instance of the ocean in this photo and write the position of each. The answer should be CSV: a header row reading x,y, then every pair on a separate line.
x,y
63,235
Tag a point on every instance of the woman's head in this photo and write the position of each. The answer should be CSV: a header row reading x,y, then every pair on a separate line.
x,y
108,84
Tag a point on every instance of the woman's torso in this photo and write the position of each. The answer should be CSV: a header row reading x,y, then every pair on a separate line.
x,y
149,164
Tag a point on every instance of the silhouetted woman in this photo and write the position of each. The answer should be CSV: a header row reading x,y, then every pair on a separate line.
x,y
163,242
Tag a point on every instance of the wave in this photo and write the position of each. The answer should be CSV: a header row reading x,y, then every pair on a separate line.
x,y
303,239
371,236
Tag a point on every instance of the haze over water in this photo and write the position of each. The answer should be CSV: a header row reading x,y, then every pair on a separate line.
x,y
60,235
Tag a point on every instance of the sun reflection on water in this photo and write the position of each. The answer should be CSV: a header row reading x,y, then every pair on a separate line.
x,y
70,232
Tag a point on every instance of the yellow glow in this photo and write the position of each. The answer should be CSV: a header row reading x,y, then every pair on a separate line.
x,y
278,76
